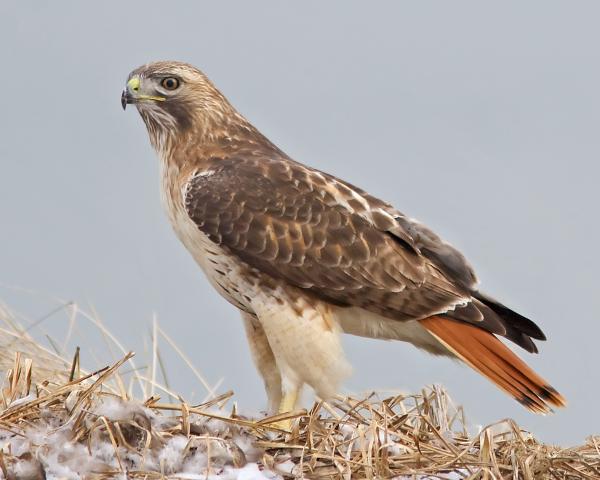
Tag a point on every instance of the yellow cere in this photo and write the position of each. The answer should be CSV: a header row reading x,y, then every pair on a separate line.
x,y
134,84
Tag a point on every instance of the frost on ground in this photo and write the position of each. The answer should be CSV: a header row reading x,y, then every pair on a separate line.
x,y
88,426
84,430
116,438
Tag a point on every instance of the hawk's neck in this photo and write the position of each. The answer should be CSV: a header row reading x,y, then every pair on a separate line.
x,y
200,152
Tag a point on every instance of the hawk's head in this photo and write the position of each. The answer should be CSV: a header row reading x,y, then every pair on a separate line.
x,y
174,99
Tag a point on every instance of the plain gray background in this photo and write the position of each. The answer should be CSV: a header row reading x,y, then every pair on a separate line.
x,y
478,118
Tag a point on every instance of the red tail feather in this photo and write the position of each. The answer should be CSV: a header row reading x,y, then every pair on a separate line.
x,y
489,356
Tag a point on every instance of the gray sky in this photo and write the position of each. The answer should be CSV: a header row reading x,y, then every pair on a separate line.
x,y
478,118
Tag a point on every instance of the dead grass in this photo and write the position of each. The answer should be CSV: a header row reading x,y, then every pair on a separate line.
x,y
416,436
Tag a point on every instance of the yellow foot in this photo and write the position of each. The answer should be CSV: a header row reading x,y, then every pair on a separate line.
x,y
287,405
284,424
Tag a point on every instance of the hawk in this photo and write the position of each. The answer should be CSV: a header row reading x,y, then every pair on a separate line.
x,y
306,256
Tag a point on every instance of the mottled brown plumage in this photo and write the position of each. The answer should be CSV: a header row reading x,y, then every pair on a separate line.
x,y
305,255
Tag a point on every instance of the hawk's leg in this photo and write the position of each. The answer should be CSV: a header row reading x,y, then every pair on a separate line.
x,y
289,402
264,360
305,342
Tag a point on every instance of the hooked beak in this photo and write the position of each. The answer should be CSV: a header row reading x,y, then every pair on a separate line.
x,y
125,99
132,93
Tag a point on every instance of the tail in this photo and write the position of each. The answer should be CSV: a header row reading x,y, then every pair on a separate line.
x,y
489,356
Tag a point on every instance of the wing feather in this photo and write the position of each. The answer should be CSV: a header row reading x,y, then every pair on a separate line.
x,y
298,226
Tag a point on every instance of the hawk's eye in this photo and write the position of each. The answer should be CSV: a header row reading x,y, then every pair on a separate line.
x,y
170,83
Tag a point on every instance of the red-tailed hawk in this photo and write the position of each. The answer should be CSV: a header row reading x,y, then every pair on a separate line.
x,y
306,256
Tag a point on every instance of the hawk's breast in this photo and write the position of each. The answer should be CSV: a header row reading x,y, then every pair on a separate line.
x,y
230,277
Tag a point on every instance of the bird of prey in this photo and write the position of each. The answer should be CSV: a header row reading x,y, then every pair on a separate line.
x,y
306,256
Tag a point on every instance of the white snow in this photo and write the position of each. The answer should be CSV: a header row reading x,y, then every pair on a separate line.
x,y
215,455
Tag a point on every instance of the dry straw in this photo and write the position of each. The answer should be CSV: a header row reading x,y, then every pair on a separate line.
x,y
110,434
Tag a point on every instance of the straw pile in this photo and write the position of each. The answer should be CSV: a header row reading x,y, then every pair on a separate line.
x,y
57,421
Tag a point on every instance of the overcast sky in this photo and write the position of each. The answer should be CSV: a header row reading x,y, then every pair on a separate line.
x,y
478,118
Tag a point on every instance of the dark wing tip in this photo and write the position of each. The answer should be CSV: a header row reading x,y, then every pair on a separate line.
x,y
512,318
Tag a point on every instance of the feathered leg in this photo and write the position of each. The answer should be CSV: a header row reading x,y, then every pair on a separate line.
x,y
305,341
264,360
